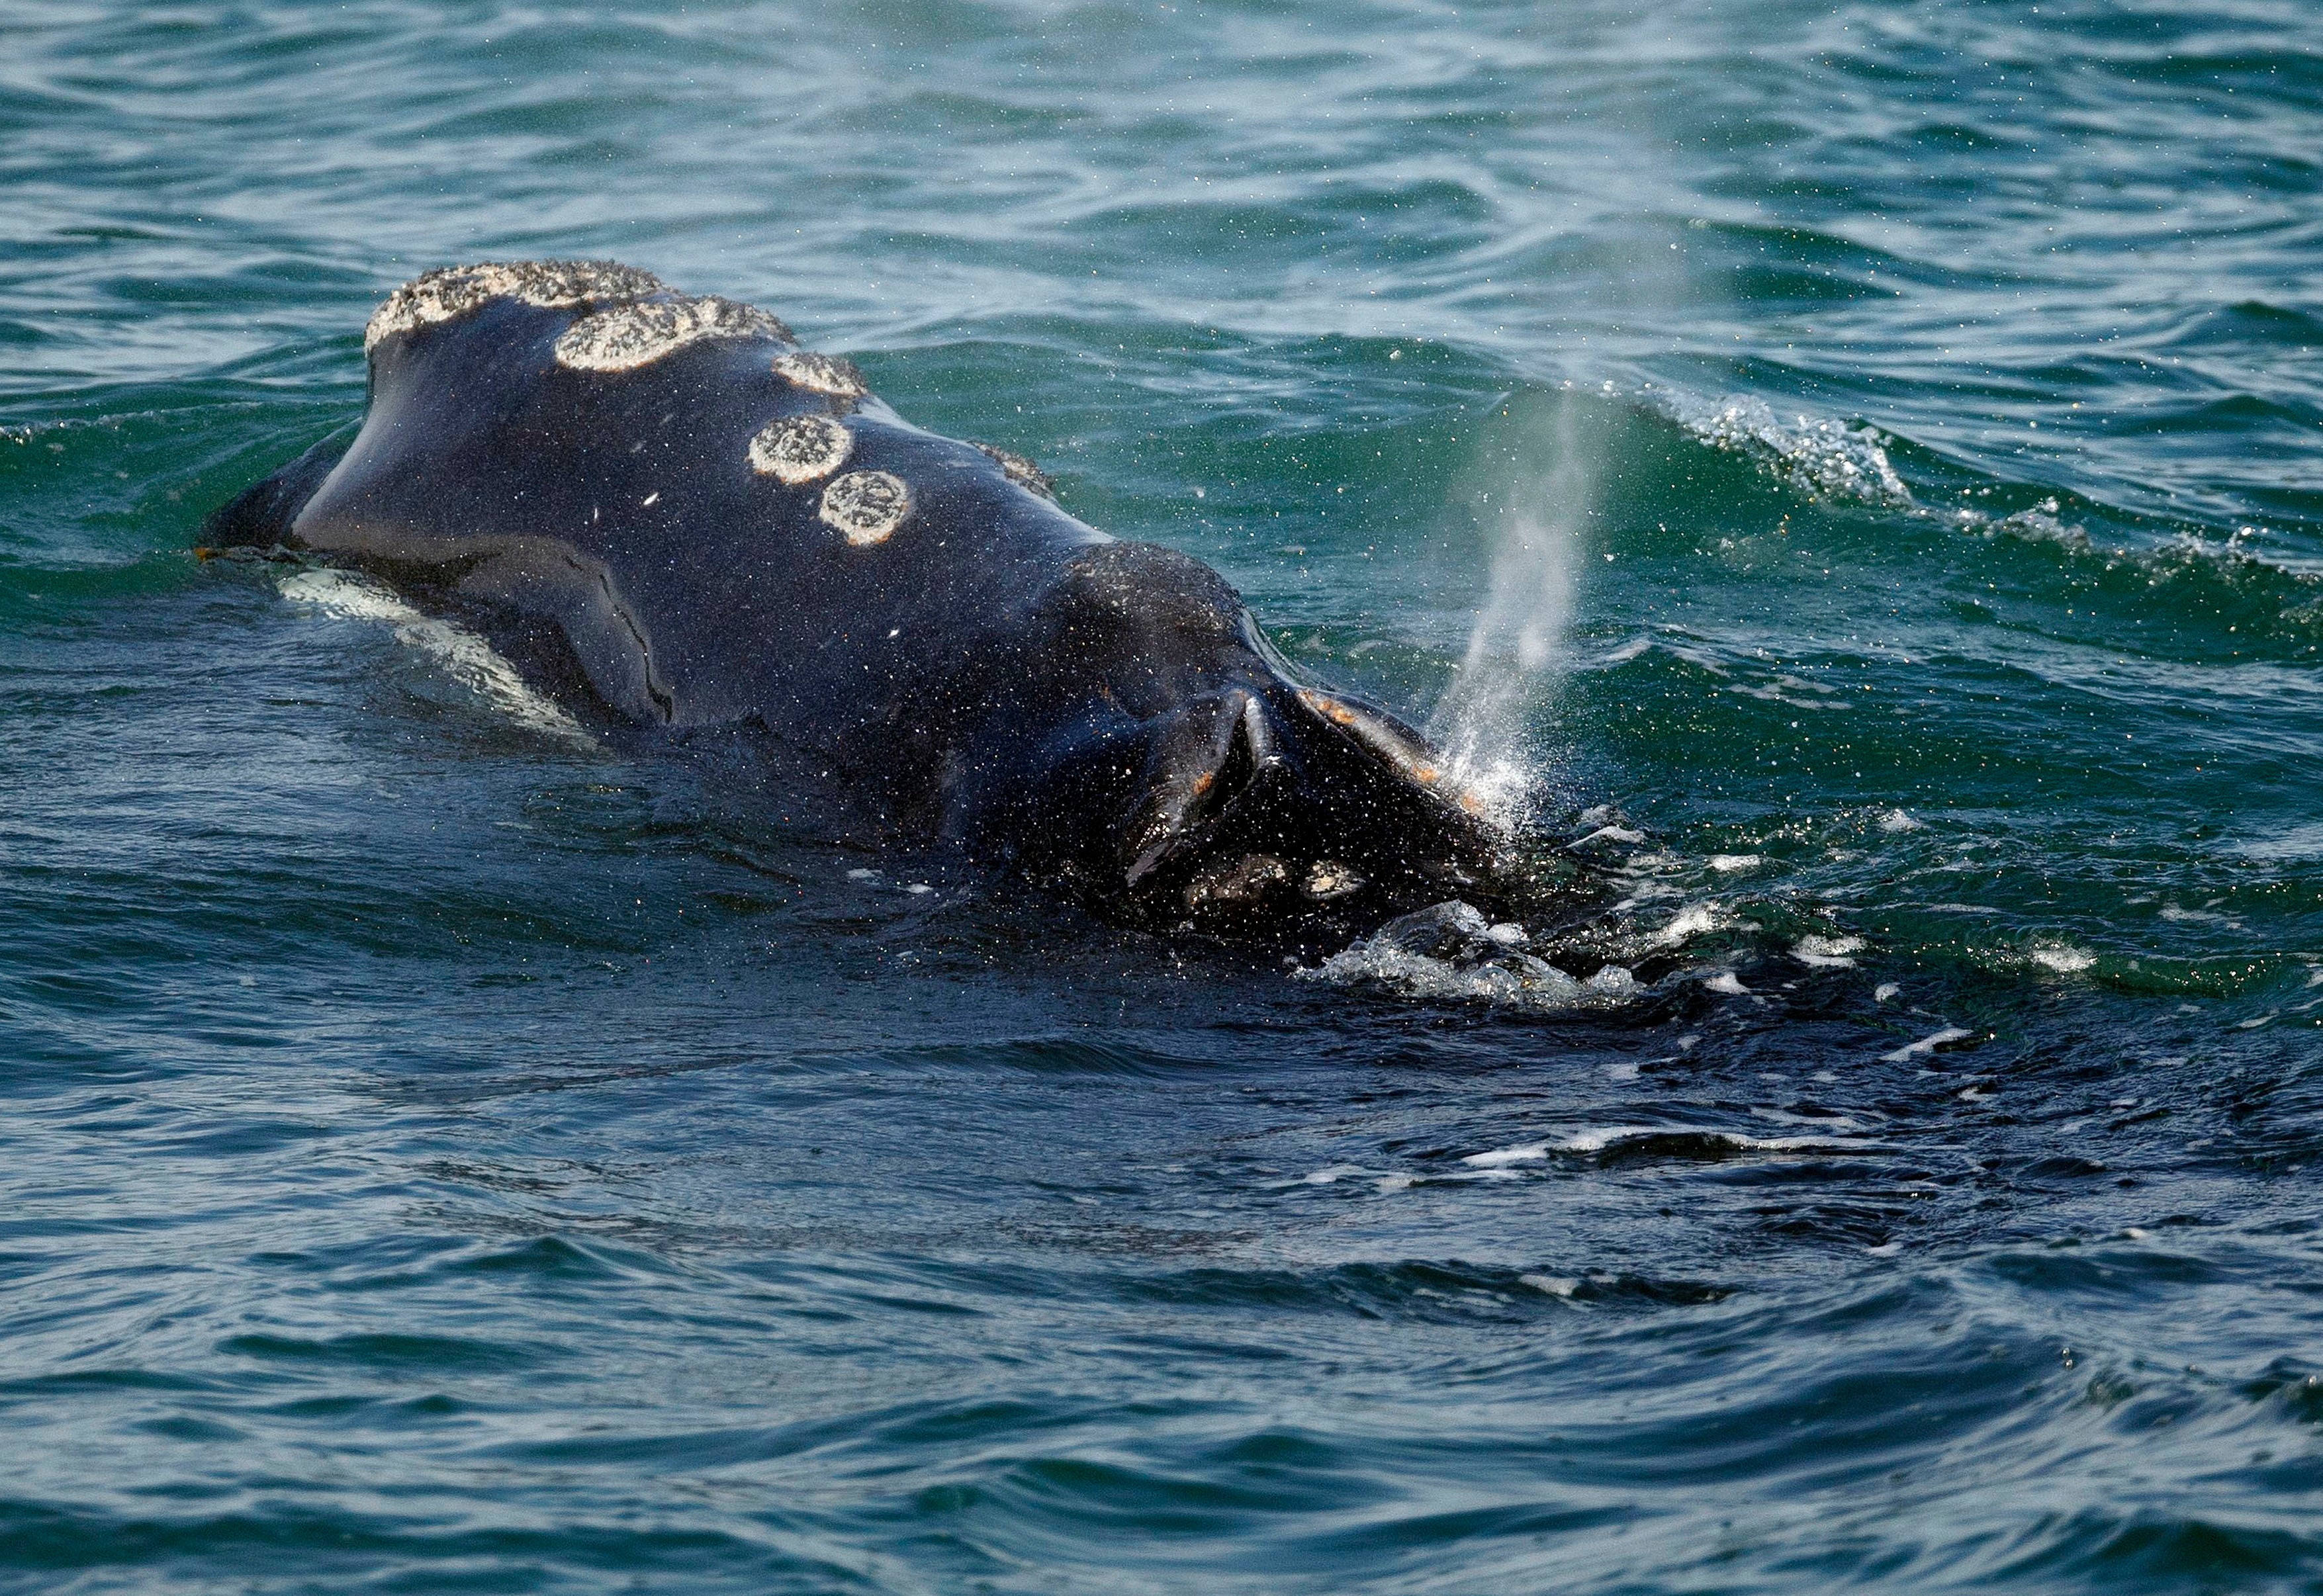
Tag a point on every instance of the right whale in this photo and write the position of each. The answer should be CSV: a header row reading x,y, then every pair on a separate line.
x,y
672,517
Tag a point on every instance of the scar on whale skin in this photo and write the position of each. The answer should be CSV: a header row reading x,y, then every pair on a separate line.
x,y
629,336
801,449
868,506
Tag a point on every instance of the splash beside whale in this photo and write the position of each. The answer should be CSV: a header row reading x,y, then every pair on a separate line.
x,y
676,518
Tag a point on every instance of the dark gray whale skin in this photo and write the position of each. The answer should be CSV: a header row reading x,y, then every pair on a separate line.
x,y
1102,715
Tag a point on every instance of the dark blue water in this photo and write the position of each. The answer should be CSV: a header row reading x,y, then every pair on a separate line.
x,y
1860,462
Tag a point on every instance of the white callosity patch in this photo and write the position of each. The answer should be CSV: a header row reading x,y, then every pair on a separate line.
x,y
821,373
628,336
868,506
1328,879
1021,471
452,291
466,656
801,449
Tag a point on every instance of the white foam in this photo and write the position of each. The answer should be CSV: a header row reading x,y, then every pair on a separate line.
x,y
1728,863
1827,952
2063,959
1895,820
1694,920
1498,1157
1560,1286
464,656
1523,982
1450,953
1611,834
1818,456
2295,842
1926,1045
1728,983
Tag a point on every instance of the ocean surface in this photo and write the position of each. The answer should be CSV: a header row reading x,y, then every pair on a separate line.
x,y
1854,471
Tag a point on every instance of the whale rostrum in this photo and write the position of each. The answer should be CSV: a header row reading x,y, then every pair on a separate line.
x,y
678,519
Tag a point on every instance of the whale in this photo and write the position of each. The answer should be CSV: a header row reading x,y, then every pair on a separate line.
x,y
684,526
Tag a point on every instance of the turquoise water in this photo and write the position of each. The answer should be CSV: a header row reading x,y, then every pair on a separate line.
x,y
1880,440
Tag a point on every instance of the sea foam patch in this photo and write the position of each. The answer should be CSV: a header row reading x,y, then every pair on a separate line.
x,y
1451,953
1816,455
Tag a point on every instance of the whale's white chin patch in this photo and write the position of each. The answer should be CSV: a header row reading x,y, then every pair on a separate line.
x,y
464,656
867,506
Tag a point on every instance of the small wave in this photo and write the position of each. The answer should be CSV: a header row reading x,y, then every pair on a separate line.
x,y
1815,455
467,657
2228,577
1680,1142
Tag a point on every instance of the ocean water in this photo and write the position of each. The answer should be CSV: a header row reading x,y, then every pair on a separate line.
x,y
1855,466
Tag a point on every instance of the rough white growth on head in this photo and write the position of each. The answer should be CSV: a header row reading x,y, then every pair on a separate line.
x,y
801,449
822,373
1021,471
629,336
452,291
1328,879
868,506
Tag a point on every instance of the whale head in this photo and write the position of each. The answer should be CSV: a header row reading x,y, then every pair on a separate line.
x,y
1184,777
